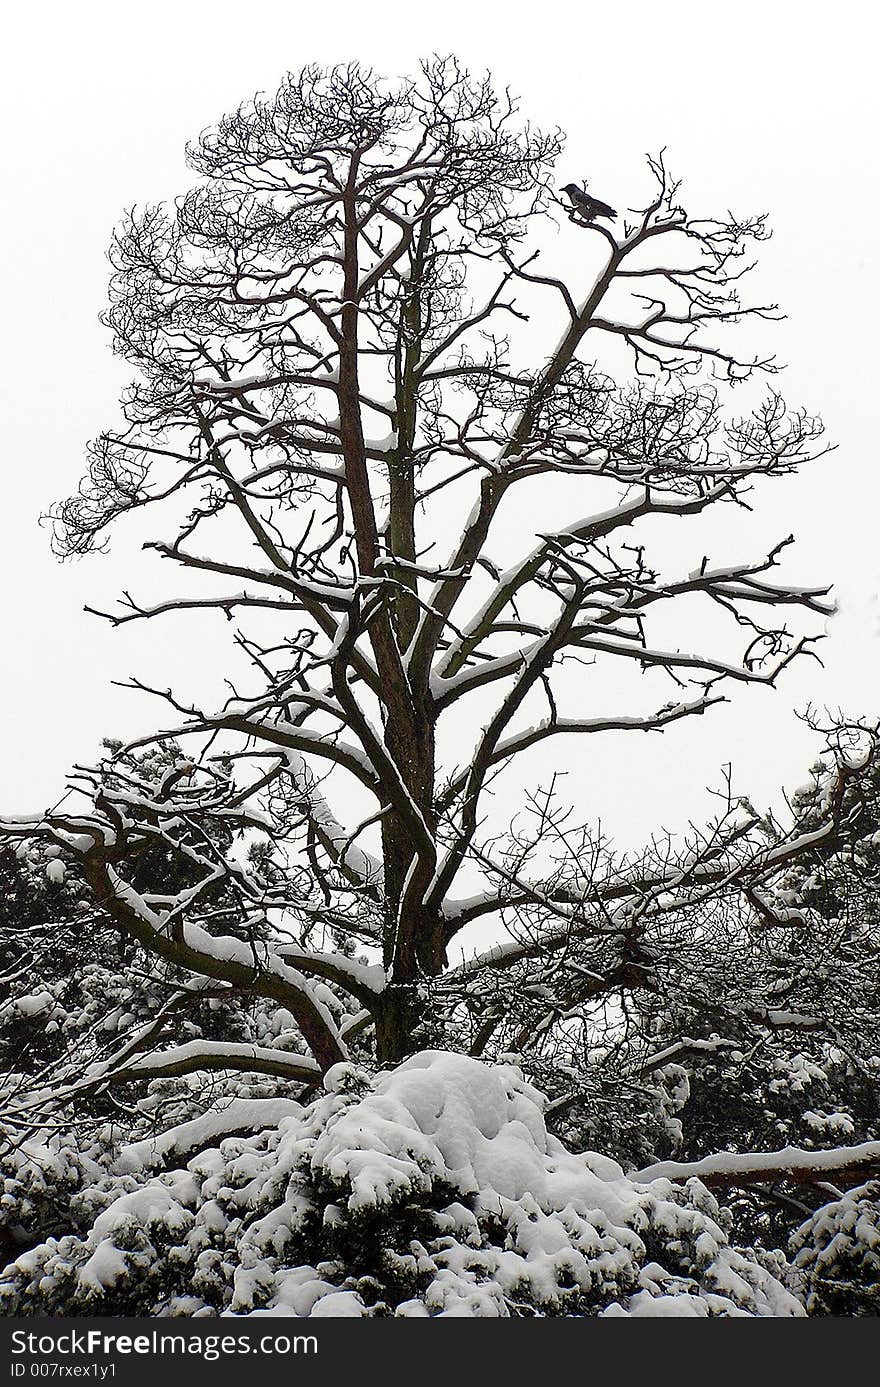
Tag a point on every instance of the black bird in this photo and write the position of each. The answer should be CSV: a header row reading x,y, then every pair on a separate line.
x,y
588,208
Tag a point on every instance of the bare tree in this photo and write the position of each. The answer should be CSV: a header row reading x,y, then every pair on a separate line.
x,y
338,390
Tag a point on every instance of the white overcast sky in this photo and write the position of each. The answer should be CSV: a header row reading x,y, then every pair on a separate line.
x,y
762,107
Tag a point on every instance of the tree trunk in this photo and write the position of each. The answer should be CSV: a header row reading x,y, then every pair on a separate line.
x,y
399,1023
414,937
405,1021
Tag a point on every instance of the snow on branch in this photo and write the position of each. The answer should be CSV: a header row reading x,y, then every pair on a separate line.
x,y
848,1164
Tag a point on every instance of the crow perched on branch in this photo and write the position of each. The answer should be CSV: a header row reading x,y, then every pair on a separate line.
x,y
588,208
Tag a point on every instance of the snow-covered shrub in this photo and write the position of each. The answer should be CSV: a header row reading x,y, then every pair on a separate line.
x,y
37,1185
837,1255
430,1189
56,1185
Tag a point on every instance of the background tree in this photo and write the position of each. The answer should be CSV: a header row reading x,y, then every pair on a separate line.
x,y
339,394
122,1039
761,1041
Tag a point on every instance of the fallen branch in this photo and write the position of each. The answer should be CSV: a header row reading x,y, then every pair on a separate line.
x,y
767,1167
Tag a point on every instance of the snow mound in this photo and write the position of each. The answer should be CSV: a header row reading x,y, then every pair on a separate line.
x,y
448,1121
430,1190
